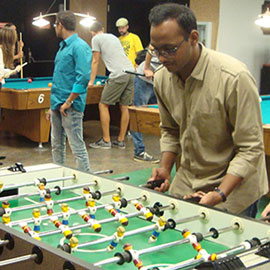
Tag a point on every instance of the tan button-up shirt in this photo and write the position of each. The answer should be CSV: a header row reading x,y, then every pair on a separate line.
x,y
214,123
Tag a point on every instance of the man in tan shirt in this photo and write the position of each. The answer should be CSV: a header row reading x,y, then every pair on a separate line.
x,y
210,118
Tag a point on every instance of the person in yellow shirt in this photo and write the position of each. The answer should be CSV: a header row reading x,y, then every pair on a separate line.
x,y
130,42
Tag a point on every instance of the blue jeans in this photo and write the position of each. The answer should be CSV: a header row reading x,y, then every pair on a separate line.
x,y
143,95
251,211
70,126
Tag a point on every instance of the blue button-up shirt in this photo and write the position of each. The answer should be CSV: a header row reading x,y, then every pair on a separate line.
x,y
72,67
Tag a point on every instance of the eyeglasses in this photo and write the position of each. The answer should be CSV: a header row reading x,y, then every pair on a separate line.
x,y
166,52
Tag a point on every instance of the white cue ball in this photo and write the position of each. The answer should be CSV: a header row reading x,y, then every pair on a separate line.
x,y
98,83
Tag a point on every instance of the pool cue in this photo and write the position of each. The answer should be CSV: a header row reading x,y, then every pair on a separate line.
x,y
21,59
134,73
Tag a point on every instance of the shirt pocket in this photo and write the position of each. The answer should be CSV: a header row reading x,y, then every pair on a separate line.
x,y
207,127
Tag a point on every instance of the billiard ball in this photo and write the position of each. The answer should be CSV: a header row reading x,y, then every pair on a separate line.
x,y
98,83
29,80
50,84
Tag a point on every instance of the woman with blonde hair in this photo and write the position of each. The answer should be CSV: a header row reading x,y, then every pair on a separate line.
x,y
8,38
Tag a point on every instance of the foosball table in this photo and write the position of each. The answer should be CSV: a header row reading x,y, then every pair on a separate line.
x,y
66,219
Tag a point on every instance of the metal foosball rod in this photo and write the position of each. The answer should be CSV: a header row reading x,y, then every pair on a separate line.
x,y
56,190
36,256
140,230
247,247
213,233
60,214
36,182
81,226
38,205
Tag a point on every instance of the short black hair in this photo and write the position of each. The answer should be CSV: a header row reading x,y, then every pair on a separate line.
x,y
182,14
67,19
96,27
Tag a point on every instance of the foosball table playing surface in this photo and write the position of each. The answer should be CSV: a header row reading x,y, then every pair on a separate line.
x,y
66,219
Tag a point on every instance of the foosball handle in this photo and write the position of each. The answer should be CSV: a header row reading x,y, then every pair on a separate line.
x,y
154,184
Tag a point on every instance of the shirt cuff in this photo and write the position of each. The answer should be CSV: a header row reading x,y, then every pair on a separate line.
x,y
78,88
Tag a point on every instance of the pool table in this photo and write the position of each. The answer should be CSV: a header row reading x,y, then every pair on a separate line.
x,y
24,106
145,119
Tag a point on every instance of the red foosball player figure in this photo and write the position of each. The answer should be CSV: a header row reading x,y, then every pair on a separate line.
x,y
49,203
65,213
28,230
118,236
92,222
146,212
135,257
37,219
197,246
160,225
119,216
64,229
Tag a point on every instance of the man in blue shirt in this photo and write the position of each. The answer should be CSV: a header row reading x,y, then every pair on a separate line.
x,y
68,93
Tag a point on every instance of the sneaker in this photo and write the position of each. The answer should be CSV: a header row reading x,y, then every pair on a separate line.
x,y
118,144
146,157
101,144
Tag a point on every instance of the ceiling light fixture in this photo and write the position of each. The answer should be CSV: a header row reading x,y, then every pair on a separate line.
x,y
41,22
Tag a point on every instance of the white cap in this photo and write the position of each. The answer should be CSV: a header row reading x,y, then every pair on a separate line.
x,y
121,22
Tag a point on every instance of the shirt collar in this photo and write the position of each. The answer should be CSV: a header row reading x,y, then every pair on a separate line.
x,y
199,70
68,40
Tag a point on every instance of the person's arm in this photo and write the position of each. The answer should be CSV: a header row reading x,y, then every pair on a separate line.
x,y
149,74
94,67
164,172
266,211
169,144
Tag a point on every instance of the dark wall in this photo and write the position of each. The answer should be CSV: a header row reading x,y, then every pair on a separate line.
x,y
136,11
42,44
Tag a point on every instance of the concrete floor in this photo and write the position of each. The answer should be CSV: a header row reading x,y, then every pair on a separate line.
x,y
20,149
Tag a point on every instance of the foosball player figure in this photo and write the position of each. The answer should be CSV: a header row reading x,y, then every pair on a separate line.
x,y
64,229
28,230
73,243
116,202
197,246
6,220
1,186
49,203
135,257
86,193
65,213
93,223
37,219
160,224
91,205
118,236
145,211
119,216
42,192
6,207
